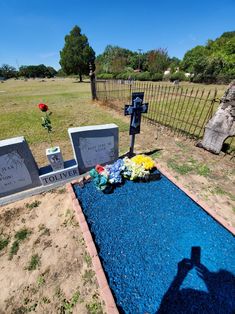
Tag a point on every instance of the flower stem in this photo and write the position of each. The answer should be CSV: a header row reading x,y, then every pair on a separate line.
x,y
49,135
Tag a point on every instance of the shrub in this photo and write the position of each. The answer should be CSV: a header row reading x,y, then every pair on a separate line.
x,y
157,77
124,76
105,76
143,76
178,76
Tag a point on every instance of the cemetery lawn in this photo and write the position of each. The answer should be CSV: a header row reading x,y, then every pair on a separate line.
x,y
44,266
70,104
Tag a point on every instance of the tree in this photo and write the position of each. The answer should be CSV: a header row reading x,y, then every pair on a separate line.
x,y
8,71
76,54
37,71
114,59
214,62
157,60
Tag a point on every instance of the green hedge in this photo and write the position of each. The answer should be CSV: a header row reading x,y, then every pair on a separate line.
x,y
138,76
178,76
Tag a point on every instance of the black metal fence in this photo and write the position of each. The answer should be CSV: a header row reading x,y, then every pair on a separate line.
x,y
183,109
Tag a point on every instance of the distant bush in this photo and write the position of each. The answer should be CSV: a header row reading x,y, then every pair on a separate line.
x,y
125,76
157,77
178,76
139,76
221,78
105,76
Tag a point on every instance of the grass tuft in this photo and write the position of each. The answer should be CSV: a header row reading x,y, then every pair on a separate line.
x,y
14,249
94,307
179,168
3,242
87,259
88,276
203,170
22,234
68,305
33,204
40,280
34,262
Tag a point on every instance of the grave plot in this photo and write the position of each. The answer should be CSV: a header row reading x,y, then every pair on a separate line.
x,y
162,253
44,265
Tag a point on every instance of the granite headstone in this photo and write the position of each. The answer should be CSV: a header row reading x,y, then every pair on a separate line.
x,y
92,145
18,169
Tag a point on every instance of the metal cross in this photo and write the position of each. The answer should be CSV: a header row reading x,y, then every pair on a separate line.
x,y
135,110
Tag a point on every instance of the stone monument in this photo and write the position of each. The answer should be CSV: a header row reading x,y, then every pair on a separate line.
x,y
92,145
18,169
222,124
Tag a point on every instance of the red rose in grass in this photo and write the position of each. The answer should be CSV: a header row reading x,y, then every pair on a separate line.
x,y
99,168
43,107
46,121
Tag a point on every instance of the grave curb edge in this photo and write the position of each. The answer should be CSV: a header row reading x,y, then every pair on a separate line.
x,y
105,291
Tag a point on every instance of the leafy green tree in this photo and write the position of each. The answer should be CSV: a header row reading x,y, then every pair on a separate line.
x,y
76,54
214,62
194,59
32,71
114,59
157,60
8,71
174,64
51,71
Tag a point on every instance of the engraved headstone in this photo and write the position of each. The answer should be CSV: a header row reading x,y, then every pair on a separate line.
x,y
18,169
92,145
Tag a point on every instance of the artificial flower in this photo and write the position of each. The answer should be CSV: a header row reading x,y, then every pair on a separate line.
x,y
99,168
99,180
115,170
146,161
43,107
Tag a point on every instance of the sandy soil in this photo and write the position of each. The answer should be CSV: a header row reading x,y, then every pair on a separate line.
x,y
63,280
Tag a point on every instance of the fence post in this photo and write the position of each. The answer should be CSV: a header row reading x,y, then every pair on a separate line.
x,y
93,83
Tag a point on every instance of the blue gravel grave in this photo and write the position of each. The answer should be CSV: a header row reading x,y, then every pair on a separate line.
x,y
143,231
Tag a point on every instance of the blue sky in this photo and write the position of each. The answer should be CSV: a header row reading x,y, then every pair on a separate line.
x,y
32,32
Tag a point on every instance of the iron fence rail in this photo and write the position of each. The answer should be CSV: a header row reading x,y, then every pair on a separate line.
x,y
183,109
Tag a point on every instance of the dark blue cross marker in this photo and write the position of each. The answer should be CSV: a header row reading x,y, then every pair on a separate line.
x,y
135,110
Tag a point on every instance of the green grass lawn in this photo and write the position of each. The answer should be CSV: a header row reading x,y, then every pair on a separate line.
x,y
69,101
71,106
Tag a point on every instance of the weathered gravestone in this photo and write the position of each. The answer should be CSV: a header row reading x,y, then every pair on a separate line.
x,y
222,124
92,145
18,169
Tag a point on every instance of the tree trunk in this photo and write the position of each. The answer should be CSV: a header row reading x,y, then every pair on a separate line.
x,y
222,124
80,77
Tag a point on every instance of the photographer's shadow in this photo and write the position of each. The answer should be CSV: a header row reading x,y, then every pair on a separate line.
x,y
219,299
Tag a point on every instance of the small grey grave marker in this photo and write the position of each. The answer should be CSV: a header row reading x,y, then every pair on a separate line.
x,y
18,169
96,144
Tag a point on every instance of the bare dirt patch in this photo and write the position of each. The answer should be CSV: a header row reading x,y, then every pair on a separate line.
x,y
44,266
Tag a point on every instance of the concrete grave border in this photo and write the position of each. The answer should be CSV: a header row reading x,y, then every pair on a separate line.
x,y
106,293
